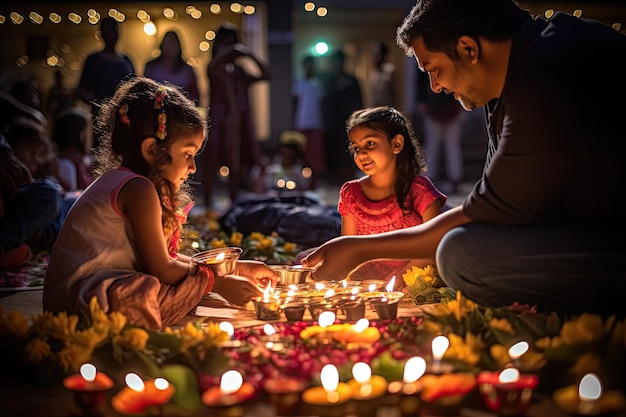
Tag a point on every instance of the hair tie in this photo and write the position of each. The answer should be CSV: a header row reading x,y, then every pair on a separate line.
x,y
159,97
123,114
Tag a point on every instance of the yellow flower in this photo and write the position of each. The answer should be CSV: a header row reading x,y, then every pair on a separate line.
x,y
547,343
236,238
132,339
71,357
290,247
257,236
584,329
586,363
529,361
61,325
459,307
16,323
265,243
214,225
503,325
217,243
465,349
423,277
37,350
500,355
118,321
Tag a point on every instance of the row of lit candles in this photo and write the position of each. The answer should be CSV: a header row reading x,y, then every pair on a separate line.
x,y
507,391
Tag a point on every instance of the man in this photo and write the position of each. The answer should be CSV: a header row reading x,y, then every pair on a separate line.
x,y
544,225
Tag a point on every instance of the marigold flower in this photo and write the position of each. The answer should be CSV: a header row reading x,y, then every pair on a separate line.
x,y
217,243
60,326
465,349
37,350
118,321
265,243
257,236
71,357
236,238
16,323
586,328
290,247
503,325
132,339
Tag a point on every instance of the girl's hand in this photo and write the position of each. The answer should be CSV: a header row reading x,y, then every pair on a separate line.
x,y
239,290
258,271
335,259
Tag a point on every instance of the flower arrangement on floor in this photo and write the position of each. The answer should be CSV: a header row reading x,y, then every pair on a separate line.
x,y
204,233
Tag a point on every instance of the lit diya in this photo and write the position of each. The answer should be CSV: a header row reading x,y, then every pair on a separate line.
x,y
222,261
89,387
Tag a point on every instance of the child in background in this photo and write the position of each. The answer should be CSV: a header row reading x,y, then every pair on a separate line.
x,y
70,134
119,241
394,193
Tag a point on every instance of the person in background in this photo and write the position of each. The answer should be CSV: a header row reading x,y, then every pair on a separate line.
x,y
394,193
233,137
342,96
71,133
119,242
307,93
525,233
29,144
171,67
442,120
103,71
380,80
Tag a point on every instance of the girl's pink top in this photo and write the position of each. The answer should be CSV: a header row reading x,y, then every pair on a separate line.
x,y
385,215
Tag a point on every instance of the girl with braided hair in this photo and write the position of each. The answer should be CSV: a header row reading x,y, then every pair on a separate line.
x,y
119,241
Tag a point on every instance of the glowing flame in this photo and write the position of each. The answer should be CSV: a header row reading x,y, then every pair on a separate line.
x,y
329,293
231,382
391,284
414,368
267,292
269,329
329,377
326,318
161,384
509,375
227,328
590,388
88,372
319,286
371,288
362,372
518,349
361,325
439,346
134,382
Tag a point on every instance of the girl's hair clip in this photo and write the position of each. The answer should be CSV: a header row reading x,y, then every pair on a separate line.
x,y
160,95
123,114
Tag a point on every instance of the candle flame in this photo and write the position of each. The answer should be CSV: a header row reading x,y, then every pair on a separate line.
x,y
590,388
329,293
231,382
269,329
344,283
509,375
362,372
329,377
220,256
354,291
414,368
319,286
161,384
88,372
361,325
391,284
267,292
326,318
518,349
371,288
227,327
134,382
439,346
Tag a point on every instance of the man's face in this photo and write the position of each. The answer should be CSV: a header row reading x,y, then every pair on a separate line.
x,y
457,77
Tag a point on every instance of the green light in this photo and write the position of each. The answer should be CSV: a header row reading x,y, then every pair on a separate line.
x,y
321,48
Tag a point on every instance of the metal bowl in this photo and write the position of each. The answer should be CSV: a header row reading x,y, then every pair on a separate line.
x,y
291,274
222,260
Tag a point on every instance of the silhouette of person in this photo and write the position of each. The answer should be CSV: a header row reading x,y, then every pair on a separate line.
x,y
233,141
307,93
171,67
104,70
342,96
381,77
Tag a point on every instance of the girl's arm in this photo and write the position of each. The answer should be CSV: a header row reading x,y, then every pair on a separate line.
x,y
432,211
139,200
348,225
